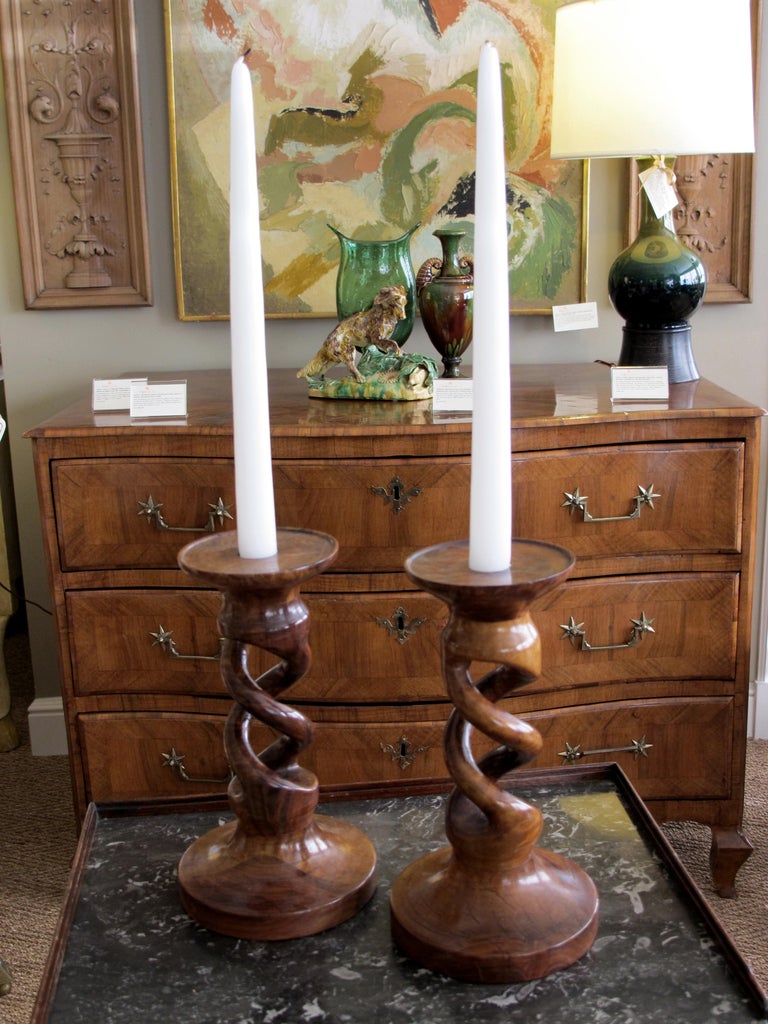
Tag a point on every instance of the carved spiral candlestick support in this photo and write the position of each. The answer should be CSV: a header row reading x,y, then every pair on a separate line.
x,y
278,871
491,907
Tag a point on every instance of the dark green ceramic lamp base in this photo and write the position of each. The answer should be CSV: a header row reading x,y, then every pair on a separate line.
x,y
656,284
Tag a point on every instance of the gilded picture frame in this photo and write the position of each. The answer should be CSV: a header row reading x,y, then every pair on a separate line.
x,y
364,120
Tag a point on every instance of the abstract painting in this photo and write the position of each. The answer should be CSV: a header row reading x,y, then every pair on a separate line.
x,y
365,119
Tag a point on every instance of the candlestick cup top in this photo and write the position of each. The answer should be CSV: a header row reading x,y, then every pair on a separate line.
x,y
443,570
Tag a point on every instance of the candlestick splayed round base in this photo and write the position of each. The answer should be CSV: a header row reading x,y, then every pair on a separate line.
x,y
278,871
492,907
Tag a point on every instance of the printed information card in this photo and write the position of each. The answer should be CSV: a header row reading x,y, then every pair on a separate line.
x,y
639,383
158,398
452,394
577,316
113,394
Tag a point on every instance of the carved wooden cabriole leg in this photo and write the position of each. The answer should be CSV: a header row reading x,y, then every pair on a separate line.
x,y
729,850
278,870
491,907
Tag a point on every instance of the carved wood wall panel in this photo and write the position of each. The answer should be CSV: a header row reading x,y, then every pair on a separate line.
x,y
74,124
714,218
715,214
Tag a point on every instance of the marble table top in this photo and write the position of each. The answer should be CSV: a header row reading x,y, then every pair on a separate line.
x,y
134,956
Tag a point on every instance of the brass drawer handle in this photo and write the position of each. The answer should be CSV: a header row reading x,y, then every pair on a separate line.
x,y
576,502
400,625
575,632
638,748
175,762
217,513
396,494
164,638
403,751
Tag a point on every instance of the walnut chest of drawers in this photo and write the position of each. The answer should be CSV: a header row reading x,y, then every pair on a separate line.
x,y
645,648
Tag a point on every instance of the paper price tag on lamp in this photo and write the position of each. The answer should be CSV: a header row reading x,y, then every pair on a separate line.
x,y
658,184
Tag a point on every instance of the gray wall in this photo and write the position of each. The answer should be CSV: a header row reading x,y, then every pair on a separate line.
x,y
50,356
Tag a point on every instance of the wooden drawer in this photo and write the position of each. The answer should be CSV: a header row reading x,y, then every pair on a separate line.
x,y
385,647
381,510
692,634
101,509
696,508
127,755
678,749
366,648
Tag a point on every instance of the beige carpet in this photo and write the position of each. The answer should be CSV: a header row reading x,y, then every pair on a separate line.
x,y
37,842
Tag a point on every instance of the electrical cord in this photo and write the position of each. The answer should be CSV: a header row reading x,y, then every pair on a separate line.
x,y
25,600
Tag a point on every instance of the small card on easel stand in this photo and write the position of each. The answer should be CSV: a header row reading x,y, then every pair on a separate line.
x,y
140,397
639,384
113,394
452,394
158,398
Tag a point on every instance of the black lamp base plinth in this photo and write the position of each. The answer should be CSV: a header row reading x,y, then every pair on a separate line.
x,y
660,346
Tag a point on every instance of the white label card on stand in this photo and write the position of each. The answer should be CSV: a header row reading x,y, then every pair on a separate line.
x,y
452,394
639,383
159,398
112,394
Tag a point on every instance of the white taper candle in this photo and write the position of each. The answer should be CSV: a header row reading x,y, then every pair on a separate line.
x,y
254,493
490,511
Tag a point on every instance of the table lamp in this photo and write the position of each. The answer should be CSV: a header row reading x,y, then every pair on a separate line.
x,y
654,79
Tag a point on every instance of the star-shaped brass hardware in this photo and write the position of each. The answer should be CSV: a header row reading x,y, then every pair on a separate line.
x,y
572,630
150,508
400,625
640,747
220,511
163,638
642,625
571,753
173,761
404,752
575,501
646,496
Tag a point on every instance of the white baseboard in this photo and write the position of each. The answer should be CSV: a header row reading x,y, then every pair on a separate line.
x,y
47,732
759,714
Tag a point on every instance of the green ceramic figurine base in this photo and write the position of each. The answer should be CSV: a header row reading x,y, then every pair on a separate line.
x,y
386,377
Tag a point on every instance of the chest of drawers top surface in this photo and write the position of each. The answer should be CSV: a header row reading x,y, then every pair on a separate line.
x,y
574,399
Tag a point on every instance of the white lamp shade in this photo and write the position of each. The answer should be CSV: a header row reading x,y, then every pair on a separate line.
x,y
647,77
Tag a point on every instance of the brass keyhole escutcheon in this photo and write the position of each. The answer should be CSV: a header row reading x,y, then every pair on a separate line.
x,y
400,625
403,751
396,494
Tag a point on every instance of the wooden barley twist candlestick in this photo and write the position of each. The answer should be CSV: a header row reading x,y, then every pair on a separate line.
x,y
278,871
491,907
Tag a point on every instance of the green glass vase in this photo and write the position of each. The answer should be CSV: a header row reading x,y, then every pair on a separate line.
x,y
446,295
365,266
